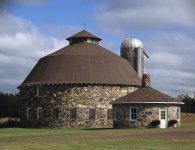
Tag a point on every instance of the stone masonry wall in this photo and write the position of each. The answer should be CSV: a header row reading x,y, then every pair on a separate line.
x,y
66,97
146,113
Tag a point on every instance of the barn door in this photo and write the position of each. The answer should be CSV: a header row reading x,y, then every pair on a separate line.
x,y
163,118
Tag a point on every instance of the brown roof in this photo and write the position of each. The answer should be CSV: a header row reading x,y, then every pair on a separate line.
x,y
84,34
83,63
145,94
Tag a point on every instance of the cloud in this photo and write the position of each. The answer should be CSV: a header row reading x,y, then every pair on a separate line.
x,y
21,45
171,62
167,29
143,15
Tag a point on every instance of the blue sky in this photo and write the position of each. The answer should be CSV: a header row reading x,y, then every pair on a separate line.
x,y
30,29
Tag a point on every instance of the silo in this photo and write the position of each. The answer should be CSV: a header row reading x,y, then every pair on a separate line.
x,y
132,49
138,61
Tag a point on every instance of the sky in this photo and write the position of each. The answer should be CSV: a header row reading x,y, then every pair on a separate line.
x,y
32,29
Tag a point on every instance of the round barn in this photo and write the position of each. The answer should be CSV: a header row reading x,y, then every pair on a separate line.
x,y
76,85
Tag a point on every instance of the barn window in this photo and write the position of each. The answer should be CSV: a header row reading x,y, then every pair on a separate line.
x,y
110,114
133,114
92,113
28,113
39,90
39,113
73,113
55,114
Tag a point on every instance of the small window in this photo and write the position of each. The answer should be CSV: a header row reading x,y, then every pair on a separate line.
x,y
92,114
28,113
133,114
39,90
73,113
110,114
55,114
39,113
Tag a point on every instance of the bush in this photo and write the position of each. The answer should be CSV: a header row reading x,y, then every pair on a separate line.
x,y
171,123
154,124
10,123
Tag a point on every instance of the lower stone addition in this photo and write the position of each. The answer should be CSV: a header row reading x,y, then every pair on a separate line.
x,y
70,106
147,115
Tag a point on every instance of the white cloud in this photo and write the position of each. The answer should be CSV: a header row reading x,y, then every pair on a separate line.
x,y
141,15
21,45
167,29
171,61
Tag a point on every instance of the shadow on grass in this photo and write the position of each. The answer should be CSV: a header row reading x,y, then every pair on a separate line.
x,y
97,129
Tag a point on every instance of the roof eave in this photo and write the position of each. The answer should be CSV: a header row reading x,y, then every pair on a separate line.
x,y
181,103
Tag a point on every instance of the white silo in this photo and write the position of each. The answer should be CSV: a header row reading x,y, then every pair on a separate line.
x,y
132,49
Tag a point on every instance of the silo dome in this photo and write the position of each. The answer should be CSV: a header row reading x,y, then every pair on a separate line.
x,y
131,42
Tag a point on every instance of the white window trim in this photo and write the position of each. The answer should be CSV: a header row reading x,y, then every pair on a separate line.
x,y
28,113
131,113
39,108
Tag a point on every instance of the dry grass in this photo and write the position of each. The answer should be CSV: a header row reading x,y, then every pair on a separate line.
x,y
187,117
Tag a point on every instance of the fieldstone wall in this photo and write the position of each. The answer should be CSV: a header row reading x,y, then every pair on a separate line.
x,y
67,97
147,115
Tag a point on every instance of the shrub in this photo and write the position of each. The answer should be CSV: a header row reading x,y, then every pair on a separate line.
x,y
171,123
154,123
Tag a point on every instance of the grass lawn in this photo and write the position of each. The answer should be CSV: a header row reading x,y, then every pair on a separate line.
x,y
86,139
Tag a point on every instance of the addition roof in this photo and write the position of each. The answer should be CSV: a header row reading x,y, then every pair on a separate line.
x,y
146,95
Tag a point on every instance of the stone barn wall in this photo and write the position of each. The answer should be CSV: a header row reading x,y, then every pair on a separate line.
x,y
73,105
146,115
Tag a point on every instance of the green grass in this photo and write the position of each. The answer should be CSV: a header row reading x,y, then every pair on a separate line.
x,y
83,139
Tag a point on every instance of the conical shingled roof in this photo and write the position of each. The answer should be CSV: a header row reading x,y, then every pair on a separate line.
x,y
84,34
145,94
83,63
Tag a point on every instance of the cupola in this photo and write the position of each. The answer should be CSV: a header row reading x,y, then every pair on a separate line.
x,y
83,36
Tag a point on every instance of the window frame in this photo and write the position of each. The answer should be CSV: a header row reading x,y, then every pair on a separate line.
x,y
38,113
110,114
132,113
